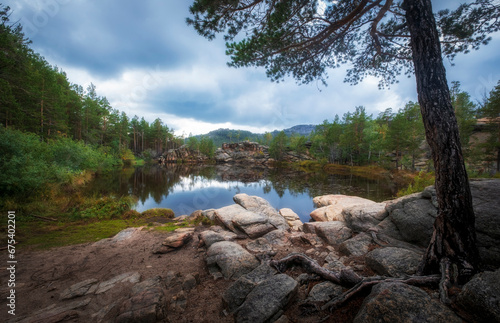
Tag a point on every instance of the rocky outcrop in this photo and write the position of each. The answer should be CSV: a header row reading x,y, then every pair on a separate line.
x,y
251,153
182,154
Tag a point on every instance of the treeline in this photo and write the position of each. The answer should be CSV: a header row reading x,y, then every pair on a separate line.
x,y
38,98
397,139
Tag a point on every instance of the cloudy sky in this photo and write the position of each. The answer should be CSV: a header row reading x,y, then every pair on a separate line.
x,y
143,57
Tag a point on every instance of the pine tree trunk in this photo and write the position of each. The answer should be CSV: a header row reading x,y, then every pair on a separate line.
x,y
454,236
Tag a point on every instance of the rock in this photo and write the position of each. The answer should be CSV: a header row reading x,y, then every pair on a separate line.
x,y
267,300
178,239
330,207
394,262
147,303
333,232
85,287
292,219
360,218
130,277
189,282
486,205
210,237
178,303
209,214
397,302
235,295
356,246
224,216
231,259
415,220
340,200
327,213
481,296
260,245
324,291
253,224
261,206
289,215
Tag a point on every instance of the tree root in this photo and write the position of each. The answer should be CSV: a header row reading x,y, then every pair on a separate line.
x,y
349,278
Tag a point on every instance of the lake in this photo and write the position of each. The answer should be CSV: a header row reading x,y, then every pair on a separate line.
x,y
186,188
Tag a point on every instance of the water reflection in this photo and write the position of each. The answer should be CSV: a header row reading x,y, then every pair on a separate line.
x,y
185,188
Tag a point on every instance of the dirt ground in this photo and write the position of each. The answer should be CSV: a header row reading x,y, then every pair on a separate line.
x,y
43,275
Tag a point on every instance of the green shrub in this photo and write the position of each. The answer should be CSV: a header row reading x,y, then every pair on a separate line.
x,y
419,183
159,212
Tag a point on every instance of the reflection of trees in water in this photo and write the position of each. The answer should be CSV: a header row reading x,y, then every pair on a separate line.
x,y
158,182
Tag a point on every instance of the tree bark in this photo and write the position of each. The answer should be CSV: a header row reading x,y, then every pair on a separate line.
x,y
454,235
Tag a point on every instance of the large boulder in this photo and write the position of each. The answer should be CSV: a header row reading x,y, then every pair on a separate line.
x,y
265,303
486,201
481,296
415,220
395,262
231,259
397,302
365,216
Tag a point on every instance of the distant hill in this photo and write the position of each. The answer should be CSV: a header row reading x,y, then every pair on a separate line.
x,y
221,136
303,130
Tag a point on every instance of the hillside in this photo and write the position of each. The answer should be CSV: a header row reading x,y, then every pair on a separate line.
x,y
221,136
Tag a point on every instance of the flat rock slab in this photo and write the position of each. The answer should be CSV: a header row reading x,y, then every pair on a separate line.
x,y
397,302
481,296
131,277
394,262
80,289
231,259
267,300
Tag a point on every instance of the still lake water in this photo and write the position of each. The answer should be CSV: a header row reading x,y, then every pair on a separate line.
x,y
186,188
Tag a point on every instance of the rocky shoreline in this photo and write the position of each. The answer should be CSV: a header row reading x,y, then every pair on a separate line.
x,y
238,259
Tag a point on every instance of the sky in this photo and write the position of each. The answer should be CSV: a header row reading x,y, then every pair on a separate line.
x,y
145,59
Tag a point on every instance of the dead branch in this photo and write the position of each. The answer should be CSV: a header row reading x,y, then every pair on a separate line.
x,y
346,277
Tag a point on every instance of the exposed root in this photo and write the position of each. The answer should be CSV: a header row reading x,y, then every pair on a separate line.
x,y
444,283
371,281
349,278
